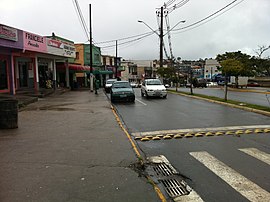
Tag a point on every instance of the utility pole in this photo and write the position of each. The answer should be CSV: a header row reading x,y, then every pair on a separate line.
x,y
116,61
161,39
91,53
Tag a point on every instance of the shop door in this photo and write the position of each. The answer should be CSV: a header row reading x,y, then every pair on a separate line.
x,y
3,75
23,74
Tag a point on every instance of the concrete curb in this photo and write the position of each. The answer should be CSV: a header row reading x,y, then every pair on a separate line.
x,y
223,103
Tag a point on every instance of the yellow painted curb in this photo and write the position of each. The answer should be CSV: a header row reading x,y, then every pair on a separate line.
x,y
159,193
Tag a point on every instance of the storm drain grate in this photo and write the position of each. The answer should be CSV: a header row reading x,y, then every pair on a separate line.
x,y
174,188
163,169
170,179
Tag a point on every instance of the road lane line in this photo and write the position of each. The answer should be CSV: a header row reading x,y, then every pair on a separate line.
x,y
140,102
262,156
244,186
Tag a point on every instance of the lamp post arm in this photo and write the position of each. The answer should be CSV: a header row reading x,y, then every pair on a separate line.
x,y
183,21
140,21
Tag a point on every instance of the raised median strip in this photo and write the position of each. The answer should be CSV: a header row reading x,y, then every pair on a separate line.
x,y
200,132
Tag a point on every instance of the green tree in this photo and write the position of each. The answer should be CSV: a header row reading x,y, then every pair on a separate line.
x,y
235,64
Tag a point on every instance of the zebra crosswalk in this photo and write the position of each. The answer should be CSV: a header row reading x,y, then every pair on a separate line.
x,y
244,186
238,182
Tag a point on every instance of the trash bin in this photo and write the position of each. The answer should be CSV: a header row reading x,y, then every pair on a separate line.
x,y
8,114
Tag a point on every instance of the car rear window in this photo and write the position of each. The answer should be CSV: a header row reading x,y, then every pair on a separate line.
x,y
153,82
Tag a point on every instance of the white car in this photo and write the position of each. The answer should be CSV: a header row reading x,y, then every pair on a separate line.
x,y
153,88
108,85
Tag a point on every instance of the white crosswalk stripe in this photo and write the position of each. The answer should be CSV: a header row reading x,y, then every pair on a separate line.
x,y
262,156
244,186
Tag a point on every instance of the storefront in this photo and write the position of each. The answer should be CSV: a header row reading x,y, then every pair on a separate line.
x,y
64,49
10,41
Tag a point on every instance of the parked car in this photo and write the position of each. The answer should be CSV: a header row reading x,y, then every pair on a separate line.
x,y
134,85
108,85
253,84
153,88
197,83
122,91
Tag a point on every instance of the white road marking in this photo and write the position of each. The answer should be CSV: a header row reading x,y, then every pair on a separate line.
x,y
247,188
200,129
192,197
262,156
140,102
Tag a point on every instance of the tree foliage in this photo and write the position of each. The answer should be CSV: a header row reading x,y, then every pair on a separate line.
x,y
237,64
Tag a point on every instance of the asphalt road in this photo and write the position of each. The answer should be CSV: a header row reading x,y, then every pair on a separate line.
x,y
247,97
178,112
217,168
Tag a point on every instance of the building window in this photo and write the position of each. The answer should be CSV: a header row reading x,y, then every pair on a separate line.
x,y
206,70
77,56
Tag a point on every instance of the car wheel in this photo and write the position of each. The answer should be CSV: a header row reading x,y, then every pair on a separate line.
x,y
165,96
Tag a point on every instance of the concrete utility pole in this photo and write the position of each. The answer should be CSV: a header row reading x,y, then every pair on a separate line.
x,y
116,64
91,57
161,38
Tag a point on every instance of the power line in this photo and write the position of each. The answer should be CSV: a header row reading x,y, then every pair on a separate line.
x,y
146,35
81,18
125,38
209,16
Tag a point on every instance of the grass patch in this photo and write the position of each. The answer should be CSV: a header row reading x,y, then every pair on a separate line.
x,y
252,106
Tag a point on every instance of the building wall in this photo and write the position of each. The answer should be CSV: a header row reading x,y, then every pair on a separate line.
x,y
79,58
211,68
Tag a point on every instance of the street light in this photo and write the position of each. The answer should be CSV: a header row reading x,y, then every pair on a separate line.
x,y
161,35
140,21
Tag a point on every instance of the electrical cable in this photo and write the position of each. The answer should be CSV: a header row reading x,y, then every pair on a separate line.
x,y
209,19
209,16
149,34
81,18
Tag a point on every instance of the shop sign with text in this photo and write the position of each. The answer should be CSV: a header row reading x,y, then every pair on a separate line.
x,y
8,33
34,42
61,48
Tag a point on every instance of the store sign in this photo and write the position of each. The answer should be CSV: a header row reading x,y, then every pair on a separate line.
x,y
69,50
8,33
34,42
55,44
61,48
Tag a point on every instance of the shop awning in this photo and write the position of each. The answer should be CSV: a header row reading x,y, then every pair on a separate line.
x,y
79,67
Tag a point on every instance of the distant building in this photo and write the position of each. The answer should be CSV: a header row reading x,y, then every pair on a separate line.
x,y
137,70
211,69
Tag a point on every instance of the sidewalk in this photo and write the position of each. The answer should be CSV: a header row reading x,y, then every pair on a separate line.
x,y
69,147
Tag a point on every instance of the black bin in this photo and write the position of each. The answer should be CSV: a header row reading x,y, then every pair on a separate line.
x,y
8,114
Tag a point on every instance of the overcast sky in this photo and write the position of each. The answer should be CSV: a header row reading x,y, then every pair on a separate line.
x,y
243,27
